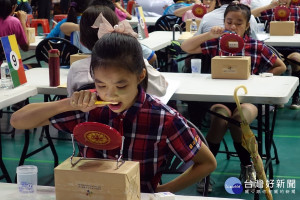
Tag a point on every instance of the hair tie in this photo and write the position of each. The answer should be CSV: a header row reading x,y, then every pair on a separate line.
x,y
73,4
106,27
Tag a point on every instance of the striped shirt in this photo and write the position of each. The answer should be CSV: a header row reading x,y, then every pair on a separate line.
x,y
151,129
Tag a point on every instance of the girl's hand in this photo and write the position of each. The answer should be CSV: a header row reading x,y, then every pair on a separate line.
x,y
84,100
198,2
274,4
22,16
216,32
118,5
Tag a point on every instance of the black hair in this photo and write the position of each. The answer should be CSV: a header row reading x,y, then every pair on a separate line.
x,y
6,7
119,50
223,2
239,7
244,9
88,35
108,3
77,6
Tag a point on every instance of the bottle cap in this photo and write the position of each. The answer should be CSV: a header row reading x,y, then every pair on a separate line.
x,y
53,51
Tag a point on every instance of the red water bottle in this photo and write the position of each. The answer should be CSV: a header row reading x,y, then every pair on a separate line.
x,y
54,66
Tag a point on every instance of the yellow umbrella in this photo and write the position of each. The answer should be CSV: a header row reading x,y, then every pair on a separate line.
x,y
250,144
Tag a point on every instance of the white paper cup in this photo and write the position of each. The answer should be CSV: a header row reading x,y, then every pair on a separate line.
x,y
196,65
27,181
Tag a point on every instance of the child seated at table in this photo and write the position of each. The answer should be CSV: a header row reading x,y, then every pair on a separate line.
x,y
151,129
115,5
74,14
291,54
186,12
13,24
236,19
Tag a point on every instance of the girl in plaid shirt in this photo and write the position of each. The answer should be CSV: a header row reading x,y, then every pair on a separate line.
x,y
291,54
151,129
236,19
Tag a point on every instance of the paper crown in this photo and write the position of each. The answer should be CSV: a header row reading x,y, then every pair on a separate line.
x,y
231,43
281,13
97,136
199,10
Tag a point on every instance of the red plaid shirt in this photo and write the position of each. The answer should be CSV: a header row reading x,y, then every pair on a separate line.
x,y
294,16
151,129
262,58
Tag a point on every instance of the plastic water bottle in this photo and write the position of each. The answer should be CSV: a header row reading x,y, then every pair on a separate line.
x,y
140,35
6,81
193,26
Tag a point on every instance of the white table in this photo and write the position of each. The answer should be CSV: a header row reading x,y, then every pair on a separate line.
x,y
39,78
159,39
261,90
38,39
196,87
9,97
150,21
280,41
10,191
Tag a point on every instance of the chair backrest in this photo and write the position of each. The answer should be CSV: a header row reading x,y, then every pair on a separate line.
x,y
64,46
166,23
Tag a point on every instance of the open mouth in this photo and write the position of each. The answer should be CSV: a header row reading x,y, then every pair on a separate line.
x,y
115,106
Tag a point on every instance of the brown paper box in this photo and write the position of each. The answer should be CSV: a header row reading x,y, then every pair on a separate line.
x,y
97,180
283,28
31,34
78,56
231,67
188,24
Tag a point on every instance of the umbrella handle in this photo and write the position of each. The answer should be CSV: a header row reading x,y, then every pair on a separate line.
x,y
237,101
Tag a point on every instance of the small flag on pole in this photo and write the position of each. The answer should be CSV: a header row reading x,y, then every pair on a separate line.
x,y
13,58
142,22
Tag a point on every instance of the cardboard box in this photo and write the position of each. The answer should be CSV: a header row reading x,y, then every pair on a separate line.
x,y
78,56
31,34
231,67
97,180
283,28
188,24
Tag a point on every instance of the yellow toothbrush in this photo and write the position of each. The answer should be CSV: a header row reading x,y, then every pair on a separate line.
x,y
105,102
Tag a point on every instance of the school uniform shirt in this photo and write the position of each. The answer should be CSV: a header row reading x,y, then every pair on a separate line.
x,y
269,15
262,58
151,130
